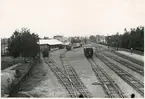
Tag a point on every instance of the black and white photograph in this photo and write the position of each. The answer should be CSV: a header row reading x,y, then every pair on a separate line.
x,y
72,48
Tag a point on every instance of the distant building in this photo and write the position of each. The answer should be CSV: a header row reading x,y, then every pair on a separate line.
x,y
100,39
58,37
61,38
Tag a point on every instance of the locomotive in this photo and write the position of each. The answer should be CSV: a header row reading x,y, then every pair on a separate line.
x,y
88,51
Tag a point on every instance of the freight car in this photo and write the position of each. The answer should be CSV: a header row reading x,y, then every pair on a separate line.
x,y
45,53
68,47
88,51
61,46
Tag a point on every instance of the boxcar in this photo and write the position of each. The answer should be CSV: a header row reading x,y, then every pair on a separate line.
x,y
45,53
68,47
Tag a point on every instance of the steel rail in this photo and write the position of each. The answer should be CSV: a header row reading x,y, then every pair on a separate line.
x,y
139,70
74,77
66,72
80,84
63,78
110,87
129,58
128,78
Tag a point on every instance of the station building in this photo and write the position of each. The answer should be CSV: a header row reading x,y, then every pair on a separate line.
x,y
49,44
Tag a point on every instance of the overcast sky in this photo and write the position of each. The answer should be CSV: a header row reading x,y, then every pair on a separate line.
x,y
71,17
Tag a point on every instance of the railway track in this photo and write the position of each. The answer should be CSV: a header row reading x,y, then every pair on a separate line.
x,y
128,78
121,55
130,59
62,78
109,86
71,73
135,68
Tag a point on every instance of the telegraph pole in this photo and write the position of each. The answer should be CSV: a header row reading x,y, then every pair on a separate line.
x,y
4,46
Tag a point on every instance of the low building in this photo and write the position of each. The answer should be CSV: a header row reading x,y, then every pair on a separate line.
x,y
100,39
60,38
49,44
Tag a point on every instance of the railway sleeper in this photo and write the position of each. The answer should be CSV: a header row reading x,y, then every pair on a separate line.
x,y
68,84
134,82
78,86
104,79
122,73
71,95
129,65
111,89
83,90
107,82
113,92
140,71
138,85
115,95
70,88
129,78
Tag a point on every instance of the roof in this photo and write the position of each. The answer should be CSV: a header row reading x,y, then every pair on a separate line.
x,y
66,43
50,42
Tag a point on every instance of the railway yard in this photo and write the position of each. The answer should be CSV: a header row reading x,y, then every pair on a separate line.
x,y
72,48
108,74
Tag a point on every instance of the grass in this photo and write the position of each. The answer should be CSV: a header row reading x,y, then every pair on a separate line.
x,y
8,62
22,67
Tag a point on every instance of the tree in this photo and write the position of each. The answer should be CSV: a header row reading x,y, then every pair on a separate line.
x,y
85,40
23,43
72,40
92,38
14,44
130,39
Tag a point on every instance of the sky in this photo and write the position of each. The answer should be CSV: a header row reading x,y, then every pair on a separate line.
x,y
71,17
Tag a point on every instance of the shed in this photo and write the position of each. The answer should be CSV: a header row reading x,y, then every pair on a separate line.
x,y
49,43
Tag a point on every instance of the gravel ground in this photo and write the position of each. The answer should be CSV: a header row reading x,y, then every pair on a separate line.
x,y
55,56
137,57
112,54
127,89
43,83
83,68
7,62
133,73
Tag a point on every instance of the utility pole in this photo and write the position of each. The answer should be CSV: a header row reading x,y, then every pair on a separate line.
x,y
39,49
117,45
4,46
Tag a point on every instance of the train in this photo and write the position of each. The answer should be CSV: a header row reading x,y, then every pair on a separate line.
x,y
68,47
61,46
45,53
88,51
